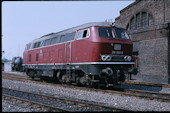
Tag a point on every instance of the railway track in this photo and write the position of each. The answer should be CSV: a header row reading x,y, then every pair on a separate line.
x,y
50,103
148,84
33,104
164,97
17,78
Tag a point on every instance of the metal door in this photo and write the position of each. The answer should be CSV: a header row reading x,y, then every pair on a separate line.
x,y
68,59
68,53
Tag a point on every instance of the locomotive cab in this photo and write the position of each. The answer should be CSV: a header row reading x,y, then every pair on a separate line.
x,y
114,53
115,43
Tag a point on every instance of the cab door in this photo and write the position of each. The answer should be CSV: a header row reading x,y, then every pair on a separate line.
x,y
80,47
69,39
68,59
68,48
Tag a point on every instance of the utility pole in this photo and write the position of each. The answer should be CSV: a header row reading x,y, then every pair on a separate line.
x,y
2,52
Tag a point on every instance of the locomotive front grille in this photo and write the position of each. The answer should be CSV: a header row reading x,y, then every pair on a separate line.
x,y
117,58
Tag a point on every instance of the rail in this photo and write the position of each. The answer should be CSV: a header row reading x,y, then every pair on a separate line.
x,y
57,103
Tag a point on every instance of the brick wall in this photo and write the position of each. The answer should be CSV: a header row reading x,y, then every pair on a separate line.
x,y
152,48
152,42
167,11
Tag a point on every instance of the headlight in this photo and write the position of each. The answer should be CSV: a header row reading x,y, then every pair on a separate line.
x,y
106,57
128,58
103,57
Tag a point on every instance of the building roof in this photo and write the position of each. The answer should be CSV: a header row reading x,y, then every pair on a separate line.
x,y
127,7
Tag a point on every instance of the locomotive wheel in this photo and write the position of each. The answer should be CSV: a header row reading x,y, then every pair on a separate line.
x,y
89,81
120,75
59,76
78,81
55,78
31,74
95,85
64,79
41,78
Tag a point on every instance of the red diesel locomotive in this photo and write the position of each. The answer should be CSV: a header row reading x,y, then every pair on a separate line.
x,y
98,53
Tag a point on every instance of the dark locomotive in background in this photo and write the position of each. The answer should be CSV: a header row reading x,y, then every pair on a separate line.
x,y
98,53
17,64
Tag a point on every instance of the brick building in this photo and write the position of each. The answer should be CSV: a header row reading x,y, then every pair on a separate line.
x,y
148,25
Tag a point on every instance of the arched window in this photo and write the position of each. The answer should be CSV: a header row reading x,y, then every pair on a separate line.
x,y
138,20
141,19
150,20
132,25
144,19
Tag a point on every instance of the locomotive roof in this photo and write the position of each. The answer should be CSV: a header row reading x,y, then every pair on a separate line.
x,y
104,24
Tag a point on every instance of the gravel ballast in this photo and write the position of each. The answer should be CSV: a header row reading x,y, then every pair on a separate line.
x,y
11,106
113,100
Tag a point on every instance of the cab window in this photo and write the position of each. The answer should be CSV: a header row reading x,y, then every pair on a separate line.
x,y
82,34
79,35
121,33
85,34
106,32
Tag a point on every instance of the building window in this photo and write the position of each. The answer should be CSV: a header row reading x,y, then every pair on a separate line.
x,y
132,23
138,21
141,19
150,20
144,19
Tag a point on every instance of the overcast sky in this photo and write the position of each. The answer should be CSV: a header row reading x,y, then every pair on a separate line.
x,y
24,21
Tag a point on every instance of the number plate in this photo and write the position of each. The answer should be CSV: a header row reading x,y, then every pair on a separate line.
x,y
117,47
